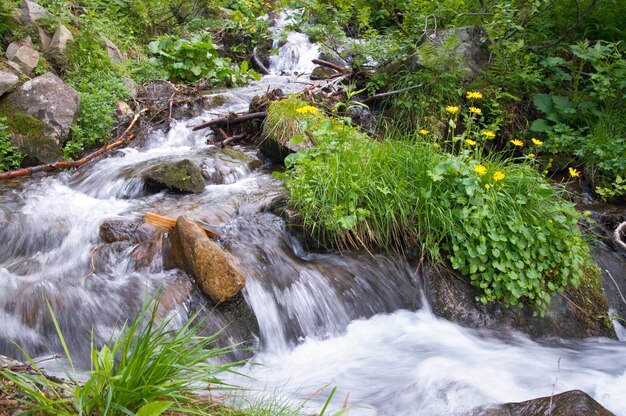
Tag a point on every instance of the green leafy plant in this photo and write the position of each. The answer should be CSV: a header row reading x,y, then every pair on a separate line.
x,y
148,369
10,156
198,58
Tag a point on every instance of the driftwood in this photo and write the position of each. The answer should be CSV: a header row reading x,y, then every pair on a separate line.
x,y
229,120
388,93
330,65
259,64
166,222
122,139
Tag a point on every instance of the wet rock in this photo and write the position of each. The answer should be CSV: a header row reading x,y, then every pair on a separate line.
x,y
569,403
38,148
131,85
22,53
31,12
363,117
8,80
205,261
43,39
148,255
277,148
322,72
452,297
112,50
261,103
51,101
57,51
124,230
613,267
181,176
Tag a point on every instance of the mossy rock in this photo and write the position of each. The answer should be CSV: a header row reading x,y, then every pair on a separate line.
x,y
27,133
181,176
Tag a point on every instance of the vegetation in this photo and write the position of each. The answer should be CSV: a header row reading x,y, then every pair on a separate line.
x,y
10,156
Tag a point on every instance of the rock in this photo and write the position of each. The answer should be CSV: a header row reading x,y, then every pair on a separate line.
x,y
112,50
181,176
124,230
569,403
472,46
452,297
31,12
8,80
131,85
322,72
57,50
50,100
38,148
22,53
205,261
122,109
43,38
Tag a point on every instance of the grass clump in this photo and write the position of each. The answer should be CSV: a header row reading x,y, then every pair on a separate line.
x,y
10,156
148,369
501,224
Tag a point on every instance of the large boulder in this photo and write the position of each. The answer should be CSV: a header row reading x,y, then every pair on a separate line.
x,y
57,50
194,253
580,313
569,403
31,12
50,100
181,176
24,54
8,80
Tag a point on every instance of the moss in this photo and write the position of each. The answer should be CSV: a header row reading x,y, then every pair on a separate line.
x,y
28,134
590,303
283,121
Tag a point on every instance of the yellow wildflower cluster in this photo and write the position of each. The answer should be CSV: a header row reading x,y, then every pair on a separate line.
x,y
470,142
307,109
480,169
536,142
475,110
573,172
517,142
423,132
488,134
474,95
498,175
452,109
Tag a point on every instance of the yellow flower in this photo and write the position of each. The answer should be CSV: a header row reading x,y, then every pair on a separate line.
x,y
480,169
470,142
475,110
498,175
488,134
536,142
471,95
574,173
307,109
517,142
487,186
531,155
452,109
423,132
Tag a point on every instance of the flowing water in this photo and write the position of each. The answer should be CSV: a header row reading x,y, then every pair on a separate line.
x,y
351,321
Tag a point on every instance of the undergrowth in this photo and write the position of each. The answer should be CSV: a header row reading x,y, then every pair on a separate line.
x,y
501,224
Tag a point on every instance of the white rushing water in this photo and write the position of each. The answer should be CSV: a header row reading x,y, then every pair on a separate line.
x,y
294,50
325,320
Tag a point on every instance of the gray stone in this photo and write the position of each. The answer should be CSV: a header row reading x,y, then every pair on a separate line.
x,y
43,38
453,297
31,12
59,43
38,149
569,403
112,50
8,80
181,176
125,230
205,261
50,100
321,72
22,53
131,85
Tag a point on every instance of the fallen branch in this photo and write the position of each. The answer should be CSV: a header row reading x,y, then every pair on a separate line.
x,y
232,139
67,164
330,65
388,93
229,120
166,222
260,67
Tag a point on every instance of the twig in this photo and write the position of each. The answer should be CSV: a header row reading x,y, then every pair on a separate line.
x,y
259,64
330,65
616,286
346,401
556,380
229,120
388,93
232,139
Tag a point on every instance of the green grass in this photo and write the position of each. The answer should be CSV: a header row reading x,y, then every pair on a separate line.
x,y
147,369
501,224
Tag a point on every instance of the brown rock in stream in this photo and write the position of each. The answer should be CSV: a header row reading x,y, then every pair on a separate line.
x,y
203,259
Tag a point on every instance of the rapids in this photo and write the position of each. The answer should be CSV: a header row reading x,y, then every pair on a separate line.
x,y
351,321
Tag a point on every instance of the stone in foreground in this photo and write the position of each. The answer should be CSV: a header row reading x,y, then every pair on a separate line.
x,y
181,176
205,261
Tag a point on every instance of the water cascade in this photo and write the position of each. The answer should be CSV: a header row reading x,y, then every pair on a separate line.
x,y
353,321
